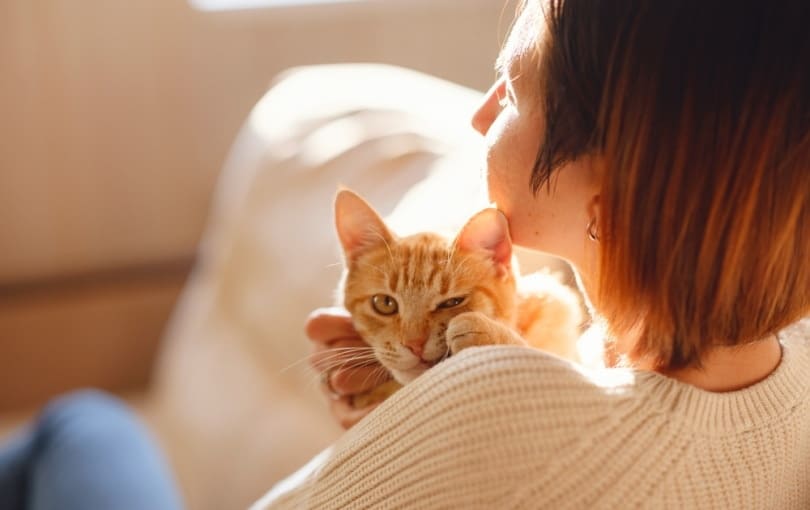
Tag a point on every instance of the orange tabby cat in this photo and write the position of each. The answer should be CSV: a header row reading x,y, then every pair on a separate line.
x,y
419,299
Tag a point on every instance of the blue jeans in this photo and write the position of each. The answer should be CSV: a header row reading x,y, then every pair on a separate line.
x,y
86,451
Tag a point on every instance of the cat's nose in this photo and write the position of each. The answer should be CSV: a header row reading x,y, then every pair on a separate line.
x,y
416,345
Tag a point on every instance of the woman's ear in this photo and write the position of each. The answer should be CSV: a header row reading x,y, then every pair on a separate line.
x,y
358,225
487,231
594,212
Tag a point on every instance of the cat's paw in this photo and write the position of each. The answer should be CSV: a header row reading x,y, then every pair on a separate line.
x,y
468,329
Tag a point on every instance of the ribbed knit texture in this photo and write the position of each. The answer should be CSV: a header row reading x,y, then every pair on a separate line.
x,y
511,427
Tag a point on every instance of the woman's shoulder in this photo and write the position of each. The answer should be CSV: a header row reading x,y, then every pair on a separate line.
x,y
501,382
533,368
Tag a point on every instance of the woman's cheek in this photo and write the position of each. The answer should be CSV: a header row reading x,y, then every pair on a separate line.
x,y
494,188
524,229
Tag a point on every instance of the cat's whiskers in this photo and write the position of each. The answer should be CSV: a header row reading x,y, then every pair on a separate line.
x,y
353,363
346,358
338,364
348,364
380,373
335,352
388,356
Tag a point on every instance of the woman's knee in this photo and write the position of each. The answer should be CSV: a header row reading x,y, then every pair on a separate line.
x,y
87,412
86,401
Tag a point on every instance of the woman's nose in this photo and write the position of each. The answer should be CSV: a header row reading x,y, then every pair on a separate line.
x,y
488,111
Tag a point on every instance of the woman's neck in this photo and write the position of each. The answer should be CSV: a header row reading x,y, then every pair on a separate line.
x,y
722,368
731,368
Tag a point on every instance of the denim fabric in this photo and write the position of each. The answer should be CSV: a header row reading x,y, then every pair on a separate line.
x,y
87,451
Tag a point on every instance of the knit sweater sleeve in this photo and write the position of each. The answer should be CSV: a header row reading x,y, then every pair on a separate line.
x,y
466,434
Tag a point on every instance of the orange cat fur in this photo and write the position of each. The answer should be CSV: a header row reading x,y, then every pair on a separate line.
x,y
419,299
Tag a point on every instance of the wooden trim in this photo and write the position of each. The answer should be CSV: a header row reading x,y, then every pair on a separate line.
x,y
100,329
154,272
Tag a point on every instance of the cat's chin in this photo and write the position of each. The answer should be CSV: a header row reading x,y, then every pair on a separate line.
x,y
406,376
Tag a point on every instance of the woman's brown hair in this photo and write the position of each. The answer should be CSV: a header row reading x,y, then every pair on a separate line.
x,y
699,112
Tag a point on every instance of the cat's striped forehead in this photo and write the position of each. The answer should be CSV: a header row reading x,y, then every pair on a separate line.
x,y
421,260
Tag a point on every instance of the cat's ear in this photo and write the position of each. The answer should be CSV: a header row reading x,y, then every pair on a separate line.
x,y
359,227
487,231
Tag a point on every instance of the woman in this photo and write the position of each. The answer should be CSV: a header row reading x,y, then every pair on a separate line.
x,y
663,148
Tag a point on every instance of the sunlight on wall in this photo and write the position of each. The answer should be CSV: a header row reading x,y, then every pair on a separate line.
x,y
228,5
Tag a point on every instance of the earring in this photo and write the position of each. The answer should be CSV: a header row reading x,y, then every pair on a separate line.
x,y
591,229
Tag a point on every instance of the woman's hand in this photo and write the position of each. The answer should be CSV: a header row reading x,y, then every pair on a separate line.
x,y
345,362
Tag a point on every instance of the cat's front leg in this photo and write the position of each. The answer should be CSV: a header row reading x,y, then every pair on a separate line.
x,y
470,329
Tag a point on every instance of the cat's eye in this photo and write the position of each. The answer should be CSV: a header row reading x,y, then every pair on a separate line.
x,y
450,303
384,304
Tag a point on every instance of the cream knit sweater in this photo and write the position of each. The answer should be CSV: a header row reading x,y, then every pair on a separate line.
x,y
511,427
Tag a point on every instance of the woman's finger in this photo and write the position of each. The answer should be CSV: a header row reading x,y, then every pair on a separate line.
x,y
326,325
347,415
